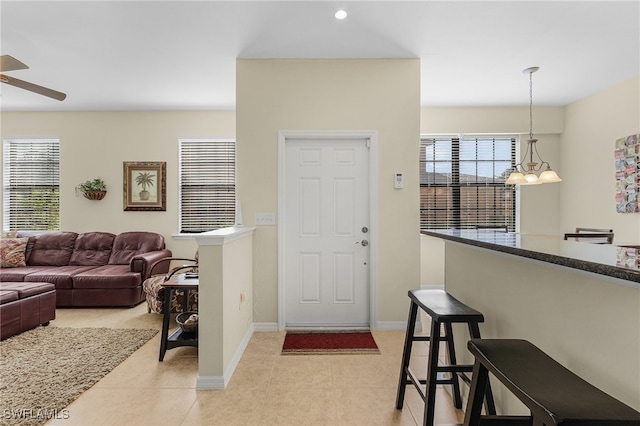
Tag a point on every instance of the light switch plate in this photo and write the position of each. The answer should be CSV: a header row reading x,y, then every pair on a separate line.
x,y
264,219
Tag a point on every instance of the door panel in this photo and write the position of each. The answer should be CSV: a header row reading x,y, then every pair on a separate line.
x,y
344,288
326,207
310,207
310,280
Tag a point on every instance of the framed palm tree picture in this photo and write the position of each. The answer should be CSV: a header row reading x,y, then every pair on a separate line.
x,y
145,187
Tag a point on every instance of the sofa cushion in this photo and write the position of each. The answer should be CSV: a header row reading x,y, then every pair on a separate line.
x,y
107,277
129,244
52,249
19,274
12,252
30,243
25,290
7,296
92,248
60,276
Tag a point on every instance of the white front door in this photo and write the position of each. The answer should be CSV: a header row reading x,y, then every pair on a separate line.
x,y
326,233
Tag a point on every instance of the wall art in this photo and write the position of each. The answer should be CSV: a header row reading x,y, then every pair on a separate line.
x,y
627,156
145,187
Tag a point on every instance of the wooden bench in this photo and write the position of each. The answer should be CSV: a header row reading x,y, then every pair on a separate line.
x,y
444,310
553,394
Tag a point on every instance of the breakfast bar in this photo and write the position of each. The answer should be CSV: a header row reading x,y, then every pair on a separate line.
x,y
578,302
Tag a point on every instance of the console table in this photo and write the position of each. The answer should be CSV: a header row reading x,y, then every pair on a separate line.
x,y
178,337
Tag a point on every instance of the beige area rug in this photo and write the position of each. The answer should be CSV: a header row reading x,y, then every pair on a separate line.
x,y
43,370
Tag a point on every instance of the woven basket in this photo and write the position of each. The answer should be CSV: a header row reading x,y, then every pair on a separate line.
x,y
94,195
181,318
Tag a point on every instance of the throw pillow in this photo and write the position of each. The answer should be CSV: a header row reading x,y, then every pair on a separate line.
x,y
12,252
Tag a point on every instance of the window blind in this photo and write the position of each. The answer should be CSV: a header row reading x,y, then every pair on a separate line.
x,y
462,183
31,184
207,184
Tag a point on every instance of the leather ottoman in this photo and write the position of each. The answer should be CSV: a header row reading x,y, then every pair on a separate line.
x,y
25,305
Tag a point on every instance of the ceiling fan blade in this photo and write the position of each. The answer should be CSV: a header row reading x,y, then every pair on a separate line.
x,y
32,87
9,63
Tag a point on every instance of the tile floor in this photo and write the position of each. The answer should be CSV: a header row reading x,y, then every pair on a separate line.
x,y
266,388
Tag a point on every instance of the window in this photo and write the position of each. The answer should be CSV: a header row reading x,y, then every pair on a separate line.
x,y
31,184
207,184
462,182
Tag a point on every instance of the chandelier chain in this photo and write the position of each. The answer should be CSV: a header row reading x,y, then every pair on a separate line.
x,y
531,105
527,173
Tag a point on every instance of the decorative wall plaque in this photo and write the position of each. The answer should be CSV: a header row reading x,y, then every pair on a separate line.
x,y
627,155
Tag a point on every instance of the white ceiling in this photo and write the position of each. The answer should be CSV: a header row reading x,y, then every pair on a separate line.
x,y
180,55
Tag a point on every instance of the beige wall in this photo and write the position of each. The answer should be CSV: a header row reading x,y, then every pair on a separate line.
x,y
592,126
333,95
96,144
381,95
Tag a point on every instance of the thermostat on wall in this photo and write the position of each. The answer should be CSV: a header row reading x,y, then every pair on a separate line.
x,y
398,180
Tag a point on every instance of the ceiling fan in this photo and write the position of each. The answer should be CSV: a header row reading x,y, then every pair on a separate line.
x,y
9,63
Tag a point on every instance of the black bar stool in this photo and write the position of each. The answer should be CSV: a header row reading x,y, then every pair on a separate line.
x,y
554,395
444,310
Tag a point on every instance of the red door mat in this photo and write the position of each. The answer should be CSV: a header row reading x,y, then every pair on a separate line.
x,y
338,342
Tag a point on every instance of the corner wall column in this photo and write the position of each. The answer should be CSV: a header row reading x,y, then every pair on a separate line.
x,y
224,303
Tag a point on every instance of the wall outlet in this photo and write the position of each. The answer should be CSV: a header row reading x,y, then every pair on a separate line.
x,y
243,298
264,219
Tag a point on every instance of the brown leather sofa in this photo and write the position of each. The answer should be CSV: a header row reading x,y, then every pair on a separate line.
x,y
92,269
24,306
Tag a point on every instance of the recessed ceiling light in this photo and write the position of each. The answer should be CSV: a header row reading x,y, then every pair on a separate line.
x,y
341,14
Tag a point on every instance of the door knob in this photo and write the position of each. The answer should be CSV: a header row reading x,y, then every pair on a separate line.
x,y
363,242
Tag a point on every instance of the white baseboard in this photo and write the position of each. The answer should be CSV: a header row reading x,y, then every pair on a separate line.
x,y
391,325
210,382
381,325
265,326
221,382
238,354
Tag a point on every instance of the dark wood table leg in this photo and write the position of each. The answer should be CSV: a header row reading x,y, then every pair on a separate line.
x,y
166,319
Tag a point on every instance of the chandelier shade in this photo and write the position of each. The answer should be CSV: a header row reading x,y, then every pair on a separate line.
x,y
526,171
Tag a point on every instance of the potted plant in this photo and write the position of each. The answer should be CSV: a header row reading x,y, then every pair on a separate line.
x,y
94,189
145,180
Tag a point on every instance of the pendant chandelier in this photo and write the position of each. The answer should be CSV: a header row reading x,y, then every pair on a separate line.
x,y
526,173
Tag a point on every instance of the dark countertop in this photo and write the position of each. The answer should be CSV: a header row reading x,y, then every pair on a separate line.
x,y
596,258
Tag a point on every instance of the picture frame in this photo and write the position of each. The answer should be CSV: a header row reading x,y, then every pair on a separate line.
x,y
145,186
